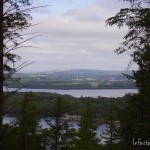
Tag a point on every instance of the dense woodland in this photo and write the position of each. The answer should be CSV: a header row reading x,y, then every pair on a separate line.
x,y
29,109
45,102
127,118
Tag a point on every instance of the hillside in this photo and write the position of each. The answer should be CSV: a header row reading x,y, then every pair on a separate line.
x,y
73,79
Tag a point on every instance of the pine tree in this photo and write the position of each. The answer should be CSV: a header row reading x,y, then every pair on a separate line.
x,y
27,123
67,137
59,135
55,122
110,134
86,136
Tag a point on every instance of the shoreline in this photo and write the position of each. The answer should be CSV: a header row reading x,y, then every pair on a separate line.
x,y
75,88
77,93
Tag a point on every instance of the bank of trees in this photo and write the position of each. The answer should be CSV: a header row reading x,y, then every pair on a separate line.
x,y
45,102
62,134
25,132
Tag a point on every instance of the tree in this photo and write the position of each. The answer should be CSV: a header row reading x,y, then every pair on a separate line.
x,y
27,123
68,136
24,132
55,124
110,134
59,135
1,70
14,18
130,122
86,137
137,42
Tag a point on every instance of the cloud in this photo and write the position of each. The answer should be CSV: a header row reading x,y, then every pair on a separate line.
x,y
77,38
91,13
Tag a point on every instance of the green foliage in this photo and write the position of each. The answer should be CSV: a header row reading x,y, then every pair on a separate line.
x,y
56,127
110,134
16,18
27,122
53,106
10,139
134,121
28,118
68,136
45,103
59,134
86,137
23,134
137,19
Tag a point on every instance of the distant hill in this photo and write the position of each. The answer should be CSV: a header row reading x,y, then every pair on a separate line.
x,y
88,72
83,72
74,79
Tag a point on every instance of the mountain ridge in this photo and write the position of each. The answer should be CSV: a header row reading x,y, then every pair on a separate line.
x,y
78,71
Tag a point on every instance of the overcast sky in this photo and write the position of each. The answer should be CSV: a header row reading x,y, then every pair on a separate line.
x,y
74,36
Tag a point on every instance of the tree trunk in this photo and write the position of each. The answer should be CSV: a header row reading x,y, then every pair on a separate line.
x,y
1,72
24,142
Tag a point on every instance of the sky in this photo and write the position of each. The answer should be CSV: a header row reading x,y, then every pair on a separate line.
x,y
74,35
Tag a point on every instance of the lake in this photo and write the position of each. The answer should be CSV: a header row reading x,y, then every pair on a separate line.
x,y
85,92
101,128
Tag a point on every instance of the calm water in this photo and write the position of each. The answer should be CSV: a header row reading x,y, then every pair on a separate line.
x,y
43,124
85,93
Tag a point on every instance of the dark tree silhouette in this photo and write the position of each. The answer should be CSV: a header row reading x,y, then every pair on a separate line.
x,y
1,68
86,135
14,18
137,43
27,123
